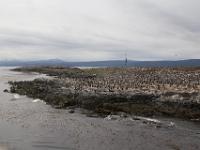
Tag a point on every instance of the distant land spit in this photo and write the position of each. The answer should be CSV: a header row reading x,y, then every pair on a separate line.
x,y
108,63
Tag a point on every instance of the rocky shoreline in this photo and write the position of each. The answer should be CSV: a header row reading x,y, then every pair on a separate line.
x,y
95,90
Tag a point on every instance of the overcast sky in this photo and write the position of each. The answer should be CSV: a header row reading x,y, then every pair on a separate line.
x,y
81,30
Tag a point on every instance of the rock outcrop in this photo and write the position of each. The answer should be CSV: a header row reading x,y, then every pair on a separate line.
x,y
62,94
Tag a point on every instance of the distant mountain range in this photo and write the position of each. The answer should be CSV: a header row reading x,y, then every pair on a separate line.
x,y
109,63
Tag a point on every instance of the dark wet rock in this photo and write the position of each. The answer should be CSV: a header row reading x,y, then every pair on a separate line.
x,y
53,93
71,111
6,90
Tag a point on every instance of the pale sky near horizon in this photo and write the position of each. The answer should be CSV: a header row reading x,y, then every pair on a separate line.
x,y
81,30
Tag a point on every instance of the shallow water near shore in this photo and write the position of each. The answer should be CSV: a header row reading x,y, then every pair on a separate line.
x,y
27,124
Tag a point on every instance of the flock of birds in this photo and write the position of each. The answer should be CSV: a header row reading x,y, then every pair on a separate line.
x,y
145,79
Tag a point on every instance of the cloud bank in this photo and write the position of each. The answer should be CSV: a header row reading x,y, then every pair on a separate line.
x,y
99,29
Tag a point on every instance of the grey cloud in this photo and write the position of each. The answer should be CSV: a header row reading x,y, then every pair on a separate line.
x,y
34,39
100,29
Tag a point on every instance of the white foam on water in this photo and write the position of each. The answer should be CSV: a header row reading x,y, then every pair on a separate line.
x,y
16,96
112,117
171,124
148,119
36,100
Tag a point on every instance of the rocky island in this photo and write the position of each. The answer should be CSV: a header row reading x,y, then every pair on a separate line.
x,y
173,92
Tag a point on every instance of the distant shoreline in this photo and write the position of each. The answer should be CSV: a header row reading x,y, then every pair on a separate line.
x,y
108,63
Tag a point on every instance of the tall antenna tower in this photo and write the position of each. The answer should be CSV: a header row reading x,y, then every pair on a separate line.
x,y
126,60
